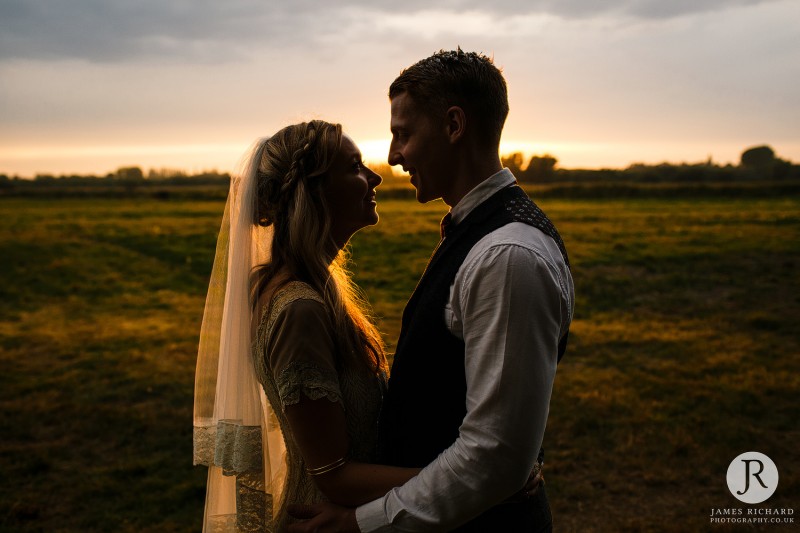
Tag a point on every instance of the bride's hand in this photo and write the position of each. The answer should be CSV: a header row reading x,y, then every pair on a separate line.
x,y
535,480
323,517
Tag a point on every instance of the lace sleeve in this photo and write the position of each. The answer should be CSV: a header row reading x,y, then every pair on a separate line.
x,y
301,353
310,379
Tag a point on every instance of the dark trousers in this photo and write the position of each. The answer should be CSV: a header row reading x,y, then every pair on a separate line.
x,y
525,516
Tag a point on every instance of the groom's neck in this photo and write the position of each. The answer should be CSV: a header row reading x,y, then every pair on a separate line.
x,y
470,169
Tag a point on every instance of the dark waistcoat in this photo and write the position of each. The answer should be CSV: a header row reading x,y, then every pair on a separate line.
x,y
426,399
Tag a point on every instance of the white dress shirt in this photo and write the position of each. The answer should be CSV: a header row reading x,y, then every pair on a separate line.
x,y
511,302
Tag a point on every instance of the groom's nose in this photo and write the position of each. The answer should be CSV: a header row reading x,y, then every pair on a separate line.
x,y
395,157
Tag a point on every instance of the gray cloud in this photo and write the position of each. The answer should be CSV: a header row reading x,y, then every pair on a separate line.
x,y
210,31
109,30
660,9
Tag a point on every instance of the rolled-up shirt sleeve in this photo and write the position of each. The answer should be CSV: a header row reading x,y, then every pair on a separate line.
x,y
511,303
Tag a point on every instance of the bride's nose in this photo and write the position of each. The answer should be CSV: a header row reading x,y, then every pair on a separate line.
x,y
373,178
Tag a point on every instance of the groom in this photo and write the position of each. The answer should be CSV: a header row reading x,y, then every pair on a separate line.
x,y
481,336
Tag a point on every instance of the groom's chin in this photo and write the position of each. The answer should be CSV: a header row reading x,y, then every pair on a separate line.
x,y
426,199
422,197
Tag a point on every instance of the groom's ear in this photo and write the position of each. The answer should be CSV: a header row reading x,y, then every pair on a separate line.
x,y
456,124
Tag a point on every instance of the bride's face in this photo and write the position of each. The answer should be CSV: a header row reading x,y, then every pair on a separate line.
x,y
350,193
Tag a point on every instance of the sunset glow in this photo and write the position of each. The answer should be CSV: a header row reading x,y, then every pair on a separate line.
x,y
594,86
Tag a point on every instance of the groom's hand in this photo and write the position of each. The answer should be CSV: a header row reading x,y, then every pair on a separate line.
x,y
323,518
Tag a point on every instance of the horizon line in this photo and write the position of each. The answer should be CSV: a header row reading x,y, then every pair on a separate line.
x,y
221,157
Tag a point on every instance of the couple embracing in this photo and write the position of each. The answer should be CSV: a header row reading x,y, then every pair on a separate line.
x,y
294,415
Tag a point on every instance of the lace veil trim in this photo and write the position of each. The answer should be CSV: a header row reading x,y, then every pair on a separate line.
x,y
229,445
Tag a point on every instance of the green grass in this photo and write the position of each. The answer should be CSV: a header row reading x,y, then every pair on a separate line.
x,y
684,354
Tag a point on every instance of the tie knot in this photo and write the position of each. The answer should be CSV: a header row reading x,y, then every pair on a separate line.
x,y
445,224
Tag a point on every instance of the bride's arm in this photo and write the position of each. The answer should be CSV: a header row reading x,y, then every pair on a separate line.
x,y
301,355
320,430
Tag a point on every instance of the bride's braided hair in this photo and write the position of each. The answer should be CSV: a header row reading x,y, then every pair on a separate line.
x,y
291,176
284,164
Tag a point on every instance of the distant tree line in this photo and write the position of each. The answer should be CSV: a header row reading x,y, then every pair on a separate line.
x,y
128,174
756,163
124,182
125,178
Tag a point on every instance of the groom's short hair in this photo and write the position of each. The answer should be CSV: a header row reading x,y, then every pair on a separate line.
x,y
468,80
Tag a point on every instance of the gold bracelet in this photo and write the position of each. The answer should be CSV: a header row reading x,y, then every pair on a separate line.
x,y
327,468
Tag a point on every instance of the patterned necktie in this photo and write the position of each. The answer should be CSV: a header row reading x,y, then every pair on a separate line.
x,y
444,226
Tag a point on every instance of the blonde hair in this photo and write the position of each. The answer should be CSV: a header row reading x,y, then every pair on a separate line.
x,y
291,176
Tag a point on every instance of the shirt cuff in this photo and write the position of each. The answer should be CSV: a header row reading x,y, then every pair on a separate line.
x,y
371,518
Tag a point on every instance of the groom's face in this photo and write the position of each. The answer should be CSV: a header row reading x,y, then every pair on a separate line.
x,y
419,145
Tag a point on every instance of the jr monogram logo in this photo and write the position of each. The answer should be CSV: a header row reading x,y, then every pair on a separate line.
x,y
752,477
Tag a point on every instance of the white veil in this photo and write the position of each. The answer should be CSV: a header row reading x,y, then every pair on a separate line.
x,y
235,432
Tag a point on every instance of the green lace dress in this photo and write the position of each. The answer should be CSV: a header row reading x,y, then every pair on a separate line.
x,y
295,355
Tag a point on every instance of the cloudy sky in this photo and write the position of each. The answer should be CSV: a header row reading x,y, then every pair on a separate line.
x,y
91,85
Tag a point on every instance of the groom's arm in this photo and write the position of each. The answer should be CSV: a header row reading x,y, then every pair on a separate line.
x,y
511,309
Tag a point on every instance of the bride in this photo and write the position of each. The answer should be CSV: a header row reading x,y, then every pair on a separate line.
x,y
289,364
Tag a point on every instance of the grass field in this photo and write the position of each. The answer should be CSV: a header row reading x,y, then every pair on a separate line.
x,y
685,352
